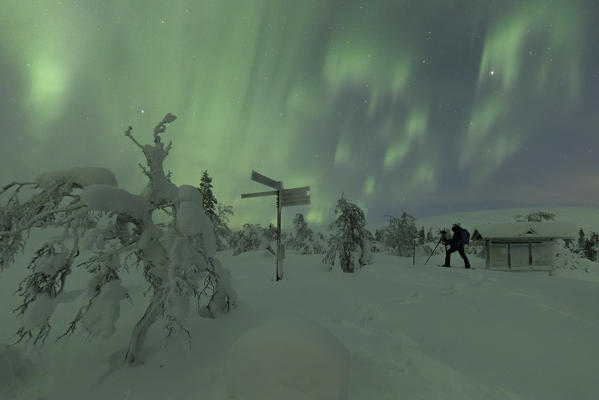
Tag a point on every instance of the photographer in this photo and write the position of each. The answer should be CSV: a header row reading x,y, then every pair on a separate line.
x,y
455,244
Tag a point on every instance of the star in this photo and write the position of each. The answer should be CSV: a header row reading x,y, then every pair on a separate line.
x,y
142,112
492,73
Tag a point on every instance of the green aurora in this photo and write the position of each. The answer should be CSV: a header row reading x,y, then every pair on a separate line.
x,y
424,106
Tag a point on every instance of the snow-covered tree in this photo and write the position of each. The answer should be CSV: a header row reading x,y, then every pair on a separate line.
x,y
400,234
218,213
221,227
588,246
105,230
349,238
304,240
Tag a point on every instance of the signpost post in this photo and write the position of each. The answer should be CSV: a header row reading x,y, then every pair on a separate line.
x,y
285,198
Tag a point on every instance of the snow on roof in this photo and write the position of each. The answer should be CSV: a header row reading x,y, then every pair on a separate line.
x,y
510,230
82,176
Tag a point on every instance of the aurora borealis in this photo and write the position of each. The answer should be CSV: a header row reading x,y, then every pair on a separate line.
x,y
424,106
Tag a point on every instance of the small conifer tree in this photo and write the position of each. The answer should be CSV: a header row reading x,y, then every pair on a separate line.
x,y
209,201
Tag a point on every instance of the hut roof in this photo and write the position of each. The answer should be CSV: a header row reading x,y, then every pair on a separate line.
x,y
522,230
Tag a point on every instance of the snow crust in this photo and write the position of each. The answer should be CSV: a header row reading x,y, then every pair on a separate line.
x,y
287,358
81,176
102,197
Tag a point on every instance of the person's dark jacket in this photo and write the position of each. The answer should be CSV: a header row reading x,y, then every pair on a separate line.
x,y
456,240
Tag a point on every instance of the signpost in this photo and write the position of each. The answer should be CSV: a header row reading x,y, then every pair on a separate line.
x,y
285,198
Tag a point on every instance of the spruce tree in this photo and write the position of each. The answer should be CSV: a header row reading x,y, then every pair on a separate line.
x,y
209,201
217,213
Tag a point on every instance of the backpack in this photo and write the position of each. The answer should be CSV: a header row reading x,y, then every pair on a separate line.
x,y
465,236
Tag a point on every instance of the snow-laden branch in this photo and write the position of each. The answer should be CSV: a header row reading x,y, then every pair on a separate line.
x,y
41,217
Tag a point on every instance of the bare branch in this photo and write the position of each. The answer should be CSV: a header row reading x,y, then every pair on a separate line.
x,y
130,136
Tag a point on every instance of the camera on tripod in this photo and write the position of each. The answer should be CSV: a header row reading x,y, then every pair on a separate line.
x,y
444,236
444,239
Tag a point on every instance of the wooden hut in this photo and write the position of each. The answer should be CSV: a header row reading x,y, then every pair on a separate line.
x,y
522,245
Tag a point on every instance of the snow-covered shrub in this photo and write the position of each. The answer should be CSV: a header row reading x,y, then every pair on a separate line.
x,y
566,259
286,358
112,229
587,245
349,240
252,237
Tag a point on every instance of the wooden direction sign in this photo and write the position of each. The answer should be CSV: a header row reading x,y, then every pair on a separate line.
x,y
259,194
295,197
285,198
266,181
300,202
295,192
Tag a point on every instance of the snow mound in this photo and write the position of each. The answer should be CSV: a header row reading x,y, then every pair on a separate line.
x,y
191,221
189,193
108,198
16,372
287,358
81,176
565,260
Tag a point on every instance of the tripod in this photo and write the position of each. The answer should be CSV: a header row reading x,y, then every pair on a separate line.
x,y
439,242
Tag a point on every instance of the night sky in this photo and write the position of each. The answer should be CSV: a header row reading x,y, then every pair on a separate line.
x,y
431,106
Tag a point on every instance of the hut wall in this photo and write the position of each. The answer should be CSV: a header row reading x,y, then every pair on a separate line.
x,y
498,255
542,254
519,255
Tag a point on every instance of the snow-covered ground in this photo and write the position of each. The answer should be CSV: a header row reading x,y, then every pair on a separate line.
x,y
412,332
